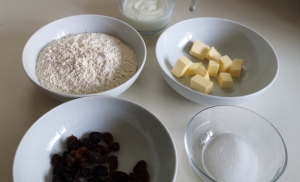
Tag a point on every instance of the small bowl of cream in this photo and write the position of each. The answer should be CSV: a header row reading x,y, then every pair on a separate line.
x,y
233,144
148,16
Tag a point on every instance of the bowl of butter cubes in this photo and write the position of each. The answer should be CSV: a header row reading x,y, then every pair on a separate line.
x,y
214,61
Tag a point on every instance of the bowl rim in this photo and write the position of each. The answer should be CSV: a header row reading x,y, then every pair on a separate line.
x,y
139,67
198,170
99,98
208,95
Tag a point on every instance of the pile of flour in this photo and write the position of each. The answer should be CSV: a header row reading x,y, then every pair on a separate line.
x,y
85,63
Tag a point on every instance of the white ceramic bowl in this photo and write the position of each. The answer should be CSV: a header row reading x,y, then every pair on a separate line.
x,y
80,24
260,66
142,136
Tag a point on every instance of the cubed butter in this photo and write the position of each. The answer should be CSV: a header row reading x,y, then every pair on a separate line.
x,y
180,67
191,70
225,63
200,70
213,68
199,50
201,84
225,80
236,67
213,54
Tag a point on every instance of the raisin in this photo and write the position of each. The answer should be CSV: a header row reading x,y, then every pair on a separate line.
x,y
72,169
82,160
100,172
70,160
93,156
58,170
94,179
95,137
113,165
77,175
108,180
102,159
72,143
104,150
101,167
107,137
56,159
139,165
111,173
144,175
134,177
114,146
57,178
121,176
82,150
67,177
85,143
112,158
85,172
64,159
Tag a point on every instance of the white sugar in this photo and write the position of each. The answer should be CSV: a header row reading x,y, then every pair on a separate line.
x,y
230,158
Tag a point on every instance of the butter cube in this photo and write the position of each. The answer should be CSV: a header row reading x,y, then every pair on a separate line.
x,y
225,63
213,54
180,67
236,67
200,70
199,50
225,80
201,84
191,70
213,68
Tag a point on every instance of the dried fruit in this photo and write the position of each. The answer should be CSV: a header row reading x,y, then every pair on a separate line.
x,y
114,146
58,170
104,150
56,159
121,176
139,165
107,137
112,158
64,159
100,172
113,165
84,159
72,143
94,179
95,137
70,160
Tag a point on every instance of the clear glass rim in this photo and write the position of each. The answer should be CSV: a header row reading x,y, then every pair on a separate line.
x,y
205,175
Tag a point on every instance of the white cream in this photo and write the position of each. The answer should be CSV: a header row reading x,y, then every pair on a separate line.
x,y
146,15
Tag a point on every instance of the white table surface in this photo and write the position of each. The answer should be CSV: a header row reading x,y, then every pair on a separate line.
x,y
22,103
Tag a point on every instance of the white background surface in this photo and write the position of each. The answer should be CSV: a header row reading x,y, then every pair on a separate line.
x,y
22,103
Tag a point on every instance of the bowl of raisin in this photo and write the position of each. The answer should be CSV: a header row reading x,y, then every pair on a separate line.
x,y
96,139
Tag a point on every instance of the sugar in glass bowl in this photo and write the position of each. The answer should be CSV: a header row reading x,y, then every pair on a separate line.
x,y
82,24
259,70
230,143
141,135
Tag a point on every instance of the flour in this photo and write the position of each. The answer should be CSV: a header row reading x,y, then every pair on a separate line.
x,y
230,158
85,63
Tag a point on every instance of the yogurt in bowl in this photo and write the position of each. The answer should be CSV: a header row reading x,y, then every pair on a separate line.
x,y
146,16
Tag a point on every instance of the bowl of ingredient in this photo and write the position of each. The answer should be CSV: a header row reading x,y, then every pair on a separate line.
x,y
233,144
214,61
84,55
93,138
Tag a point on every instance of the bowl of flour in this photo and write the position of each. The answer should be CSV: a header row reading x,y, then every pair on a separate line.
x,y
234,144
84,55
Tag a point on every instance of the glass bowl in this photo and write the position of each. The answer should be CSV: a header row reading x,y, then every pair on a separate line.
x,y
230,143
